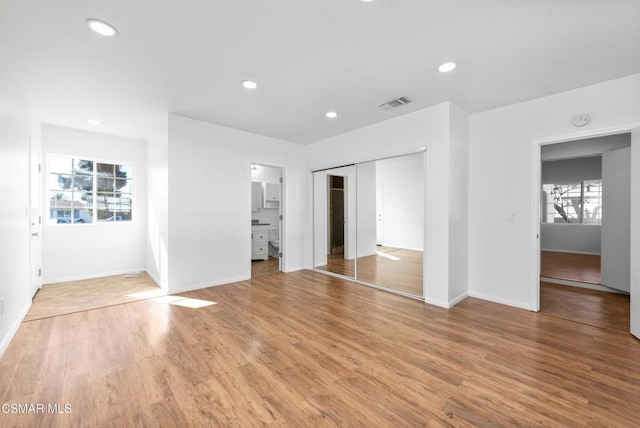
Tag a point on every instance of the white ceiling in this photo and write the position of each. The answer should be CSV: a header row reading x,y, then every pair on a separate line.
x,y
189,58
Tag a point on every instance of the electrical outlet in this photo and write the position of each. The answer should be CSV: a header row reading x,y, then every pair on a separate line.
x,y
1,306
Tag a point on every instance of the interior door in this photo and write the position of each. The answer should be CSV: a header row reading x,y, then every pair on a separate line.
x,y
35,216
635,232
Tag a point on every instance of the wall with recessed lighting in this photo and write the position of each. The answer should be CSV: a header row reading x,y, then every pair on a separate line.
x,y
502,214
81,251
210,202
442,129
14,225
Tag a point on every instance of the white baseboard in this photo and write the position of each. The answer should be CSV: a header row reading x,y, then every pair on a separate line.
x,y
570,252
494,299
458,299
439,303
14,328
295,269
154,278
92,276
447,305
581,285
208,284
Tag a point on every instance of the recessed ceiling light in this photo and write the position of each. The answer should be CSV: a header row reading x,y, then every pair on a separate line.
x,y
94,122
447,67
102,28
365,1
249,84
331,114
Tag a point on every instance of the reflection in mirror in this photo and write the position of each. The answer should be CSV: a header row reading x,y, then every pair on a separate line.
x,y
334,229
390,223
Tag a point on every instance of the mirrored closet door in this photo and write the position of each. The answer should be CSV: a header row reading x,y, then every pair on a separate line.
x,y
369,223
334,212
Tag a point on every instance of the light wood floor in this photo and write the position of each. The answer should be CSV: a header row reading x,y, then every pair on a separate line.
x,y
68,297
306,349
394,268
570,266
264,267
597,308
336,263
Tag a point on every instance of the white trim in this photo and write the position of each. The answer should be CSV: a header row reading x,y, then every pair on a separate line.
x,y
208,284
439,303
458,299
536,145
581,285
581,135
153,276
570,251
296,268
14,329
94,275
500,300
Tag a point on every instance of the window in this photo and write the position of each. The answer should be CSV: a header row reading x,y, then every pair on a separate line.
x,y
579,202
87,191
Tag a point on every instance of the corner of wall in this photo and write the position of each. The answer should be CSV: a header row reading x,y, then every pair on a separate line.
x,y
458,202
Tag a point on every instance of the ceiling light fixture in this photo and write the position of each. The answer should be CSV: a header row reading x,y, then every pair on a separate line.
x,y
249,84
102,28
365,1
447,67
331,114
94,122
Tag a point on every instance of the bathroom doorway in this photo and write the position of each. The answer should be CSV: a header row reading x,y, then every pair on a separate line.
x,y
267,202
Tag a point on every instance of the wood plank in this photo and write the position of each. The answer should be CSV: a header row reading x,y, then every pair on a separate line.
x,y
570,266
305,349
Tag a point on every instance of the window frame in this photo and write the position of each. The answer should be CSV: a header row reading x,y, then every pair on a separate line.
x,y
544,203
94,192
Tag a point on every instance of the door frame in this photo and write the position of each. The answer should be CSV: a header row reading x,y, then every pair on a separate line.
x,y
330,212
281,213
536,164
35,224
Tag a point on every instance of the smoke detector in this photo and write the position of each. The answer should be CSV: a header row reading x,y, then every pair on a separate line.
x,y
390,105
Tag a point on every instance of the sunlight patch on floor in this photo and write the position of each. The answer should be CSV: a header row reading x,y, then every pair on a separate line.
x,y
186,302
148,294
388,256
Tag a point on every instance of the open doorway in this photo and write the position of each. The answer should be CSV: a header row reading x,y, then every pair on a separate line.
x,y
336,215
584,230
266,220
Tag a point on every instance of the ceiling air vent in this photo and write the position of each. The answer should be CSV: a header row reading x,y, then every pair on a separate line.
x,y
390,105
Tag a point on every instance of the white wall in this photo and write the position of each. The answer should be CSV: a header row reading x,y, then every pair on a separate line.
x,y
79,251
458,204
502,180
585,147
570,238
571,170
157,241
402,180
429,127
14,224
210,201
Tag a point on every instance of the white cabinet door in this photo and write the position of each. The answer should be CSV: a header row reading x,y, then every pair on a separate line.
x,y
256,196
271,194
